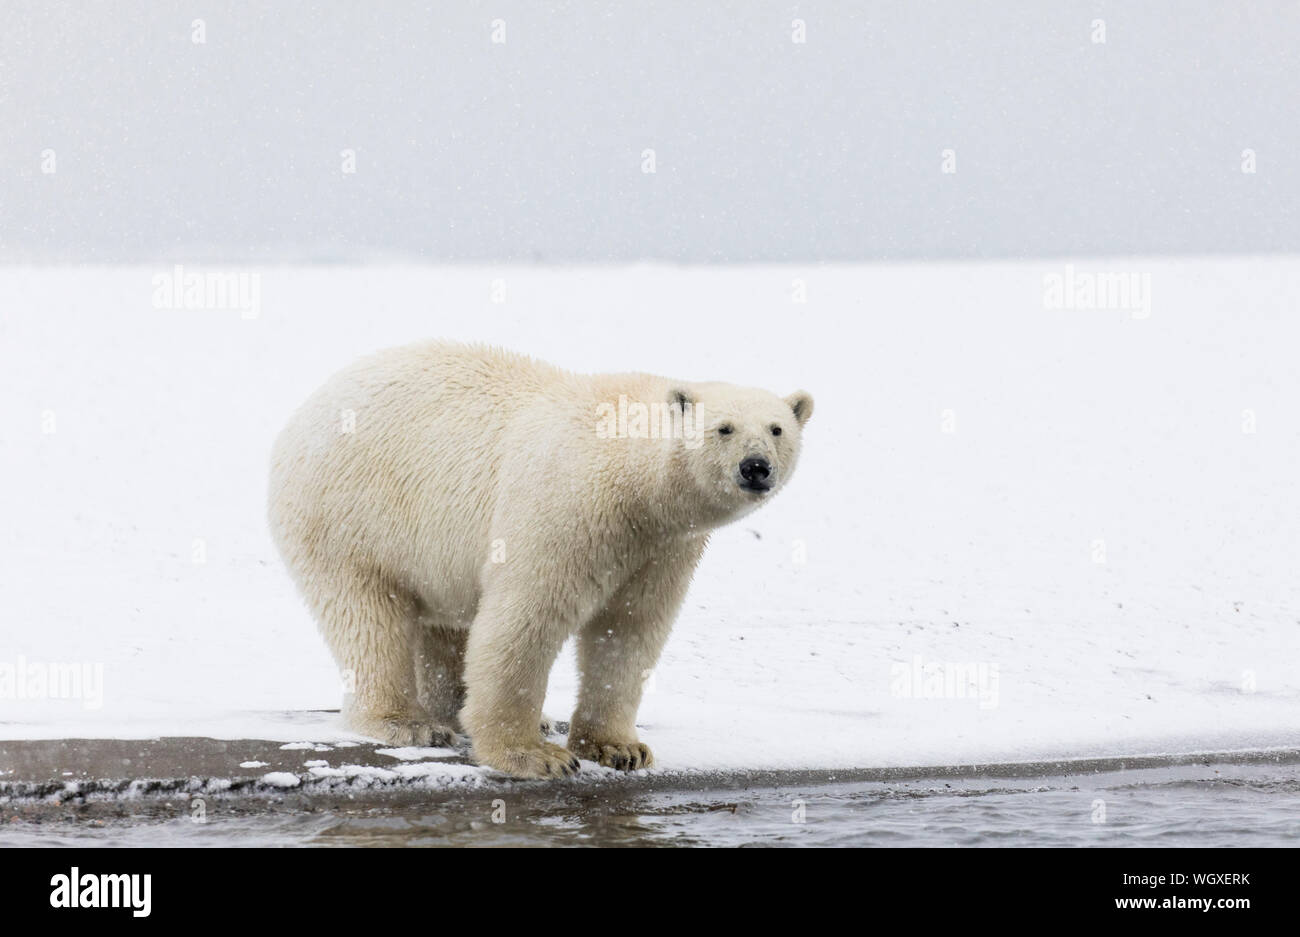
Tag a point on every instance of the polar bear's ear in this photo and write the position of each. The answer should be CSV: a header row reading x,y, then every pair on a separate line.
x,y
680,398
801,403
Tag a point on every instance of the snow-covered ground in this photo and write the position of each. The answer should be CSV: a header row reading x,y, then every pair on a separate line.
x,y
1093,511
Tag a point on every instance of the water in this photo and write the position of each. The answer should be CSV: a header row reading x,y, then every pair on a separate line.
x,y
1218,804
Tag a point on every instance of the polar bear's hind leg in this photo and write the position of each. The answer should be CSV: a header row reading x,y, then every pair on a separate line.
x,y
440,671
372,628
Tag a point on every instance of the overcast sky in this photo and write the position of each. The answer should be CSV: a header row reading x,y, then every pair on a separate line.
x,y
765,149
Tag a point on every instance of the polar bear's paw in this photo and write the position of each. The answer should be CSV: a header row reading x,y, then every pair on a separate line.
x,y
548,725
623,756
408,732
543,760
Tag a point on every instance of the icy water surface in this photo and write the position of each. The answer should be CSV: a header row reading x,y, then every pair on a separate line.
x,y
1184,805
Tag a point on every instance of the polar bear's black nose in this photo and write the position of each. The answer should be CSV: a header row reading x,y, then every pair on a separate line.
x,y
755,472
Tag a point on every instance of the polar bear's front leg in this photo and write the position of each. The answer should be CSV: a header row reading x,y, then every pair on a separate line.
x,y
513,643
619,648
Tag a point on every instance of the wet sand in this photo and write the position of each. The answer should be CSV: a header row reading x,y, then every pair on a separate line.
x,y
191,791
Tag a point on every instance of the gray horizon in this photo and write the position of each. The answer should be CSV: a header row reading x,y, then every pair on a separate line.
x,y
766,150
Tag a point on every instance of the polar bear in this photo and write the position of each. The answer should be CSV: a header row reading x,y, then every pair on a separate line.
x,y
452,514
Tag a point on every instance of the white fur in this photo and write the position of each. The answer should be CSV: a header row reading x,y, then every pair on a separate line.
x,y
390,532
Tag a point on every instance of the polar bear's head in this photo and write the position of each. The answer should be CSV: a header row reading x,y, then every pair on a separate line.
x,y
744,445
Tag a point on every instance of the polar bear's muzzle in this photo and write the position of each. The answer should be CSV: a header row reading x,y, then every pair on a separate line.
x,y
755,474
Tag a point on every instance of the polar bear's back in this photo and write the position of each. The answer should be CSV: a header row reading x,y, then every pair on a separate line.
x,y
393,464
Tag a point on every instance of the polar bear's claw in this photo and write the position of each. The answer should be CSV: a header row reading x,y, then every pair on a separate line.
x,y
544,761
622,756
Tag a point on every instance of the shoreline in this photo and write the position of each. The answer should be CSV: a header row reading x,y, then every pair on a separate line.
x,y
62,771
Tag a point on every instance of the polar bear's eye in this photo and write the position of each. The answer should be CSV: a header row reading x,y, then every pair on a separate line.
x,y
724,429
776,431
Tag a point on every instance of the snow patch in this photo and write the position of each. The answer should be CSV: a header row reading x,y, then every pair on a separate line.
x,y
281,779
1101,507
415,753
